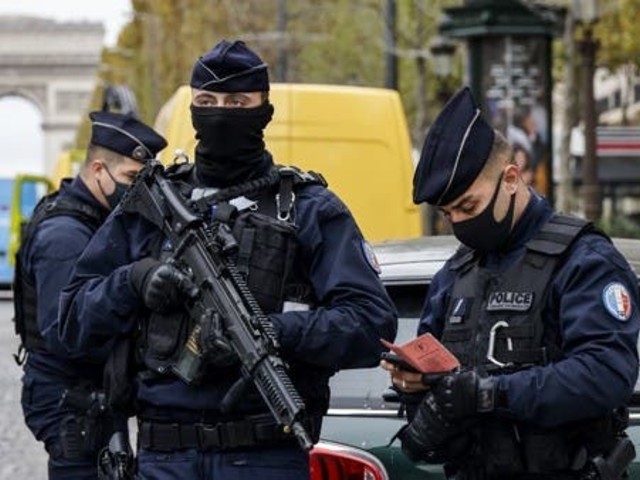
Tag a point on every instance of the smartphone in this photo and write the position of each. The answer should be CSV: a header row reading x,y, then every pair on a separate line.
x,y
397,361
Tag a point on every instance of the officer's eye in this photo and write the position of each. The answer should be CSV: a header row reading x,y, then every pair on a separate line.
x,y
467,208
236,101
205,101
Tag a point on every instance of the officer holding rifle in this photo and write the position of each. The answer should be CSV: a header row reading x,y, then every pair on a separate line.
x,y
292,242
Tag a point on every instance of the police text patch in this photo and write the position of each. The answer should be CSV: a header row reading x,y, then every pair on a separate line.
x,y
513,301
617,301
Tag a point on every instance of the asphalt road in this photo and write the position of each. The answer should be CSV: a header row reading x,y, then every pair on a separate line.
x,y
21,456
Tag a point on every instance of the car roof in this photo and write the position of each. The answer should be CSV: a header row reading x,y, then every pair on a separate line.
x,y
630,248
414,260
418,259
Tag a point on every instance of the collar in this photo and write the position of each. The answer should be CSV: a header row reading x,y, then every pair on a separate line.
x,y
78,189
262,168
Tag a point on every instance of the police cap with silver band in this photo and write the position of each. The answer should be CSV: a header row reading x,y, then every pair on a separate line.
x,y
230,67
126,135
455,151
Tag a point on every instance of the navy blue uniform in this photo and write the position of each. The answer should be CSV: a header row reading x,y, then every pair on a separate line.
x,y
49,260
599,364
353,312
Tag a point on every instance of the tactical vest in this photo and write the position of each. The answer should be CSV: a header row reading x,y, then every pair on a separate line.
x,y
494,323
264,228
25,298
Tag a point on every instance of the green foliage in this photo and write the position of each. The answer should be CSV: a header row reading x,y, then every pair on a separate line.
x,y
621,226
334,41
618,33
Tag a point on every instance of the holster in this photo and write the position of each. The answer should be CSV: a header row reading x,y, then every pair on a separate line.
x,y
612,466
87,429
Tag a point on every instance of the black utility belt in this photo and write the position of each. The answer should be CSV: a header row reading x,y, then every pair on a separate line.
x,y
168,437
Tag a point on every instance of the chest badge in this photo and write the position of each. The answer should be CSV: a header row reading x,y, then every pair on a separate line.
x,y
510,301
617,301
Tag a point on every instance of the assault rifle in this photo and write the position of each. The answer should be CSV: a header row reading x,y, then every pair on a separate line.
x,y
220,302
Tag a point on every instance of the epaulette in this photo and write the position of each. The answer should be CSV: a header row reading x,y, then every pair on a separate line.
x,y
559,233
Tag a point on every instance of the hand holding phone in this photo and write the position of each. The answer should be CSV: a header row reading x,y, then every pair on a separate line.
x,y
396,360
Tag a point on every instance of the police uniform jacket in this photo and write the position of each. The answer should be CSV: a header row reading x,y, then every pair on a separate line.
x,y
49,260
343,331
598,364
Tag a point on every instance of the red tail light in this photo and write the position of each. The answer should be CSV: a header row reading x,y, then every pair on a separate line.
x,y
330,461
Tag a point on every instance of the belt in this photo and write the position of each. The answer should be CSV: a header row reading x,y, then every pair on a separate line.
x,y
167,437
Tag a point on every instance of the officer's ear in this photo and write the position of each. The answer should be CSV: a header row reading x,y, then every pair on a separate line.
x,y
510,178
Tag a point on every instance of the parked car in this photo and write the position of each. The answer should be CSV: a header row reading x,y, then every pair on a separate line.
x,y
358,432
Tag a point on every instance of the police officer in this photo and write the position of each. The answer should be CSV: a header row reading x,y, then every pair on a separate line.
x,y
303,257
59,397
540,309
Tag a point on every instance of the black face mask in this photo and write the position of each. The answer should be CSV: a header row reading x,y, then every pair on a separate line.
x,y
483,232
230,145
113,199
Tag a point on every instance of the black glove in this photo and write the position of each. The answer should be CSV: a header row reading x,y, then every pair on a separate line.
x,y
161,286
427,431
464,395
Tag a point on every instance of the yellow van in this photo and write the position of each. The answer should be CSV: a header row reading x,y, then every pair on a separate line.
x,y
356,137
68,164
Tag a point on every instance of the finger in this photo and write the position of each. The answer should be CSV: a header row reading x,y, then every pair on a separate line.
x,y
186,285
389,367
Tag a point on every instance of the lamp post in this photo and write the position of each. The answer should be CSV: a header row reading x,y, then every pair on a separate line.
x,y
442,51
586,14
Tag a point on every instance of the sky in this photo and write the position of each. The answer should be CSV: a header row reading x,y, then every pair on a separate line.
x,y
21,138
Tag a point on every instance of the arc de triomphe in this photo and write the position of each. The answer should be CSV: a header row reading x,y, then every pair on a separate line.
x,y
53,65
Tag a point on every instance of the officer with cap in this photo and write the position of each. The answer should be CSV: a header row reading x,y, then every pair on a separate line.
x,y
59,398
302,255
540,309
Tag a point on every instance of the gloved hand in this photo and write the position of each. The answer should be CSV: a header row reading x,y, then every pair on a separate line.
x,y
463,395
428,430
161,286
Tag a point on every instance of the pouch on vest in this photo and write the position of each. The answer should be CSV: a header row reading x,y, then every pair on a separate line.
x,y
266,252
164,338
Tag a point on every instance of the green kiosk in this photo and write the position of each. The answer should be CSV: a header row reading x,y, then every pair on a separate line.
x,y
508,55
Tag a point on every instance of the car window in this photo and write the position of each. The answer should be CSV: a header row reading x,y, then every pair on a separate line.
x,y
363,387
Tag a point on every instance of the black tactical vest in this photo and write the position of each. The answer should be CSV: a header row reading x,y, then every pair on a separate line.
x,y
24,291
261,214
494,323
509,303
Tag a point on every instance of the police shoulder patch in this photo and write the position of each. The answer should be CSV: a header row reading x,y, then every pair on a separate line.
x,y
370,255
617,301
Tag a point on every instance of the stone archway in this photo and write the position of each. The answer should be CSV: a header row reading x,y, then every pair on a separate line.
x,y
54,65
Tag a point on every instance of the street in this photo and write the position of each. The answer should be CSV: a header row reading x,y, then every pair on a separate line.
x,y
21,457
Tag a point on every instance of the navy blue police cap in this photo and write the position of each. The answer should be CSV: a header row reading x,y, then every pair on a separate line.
x,y
455,151
126,135
230,67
